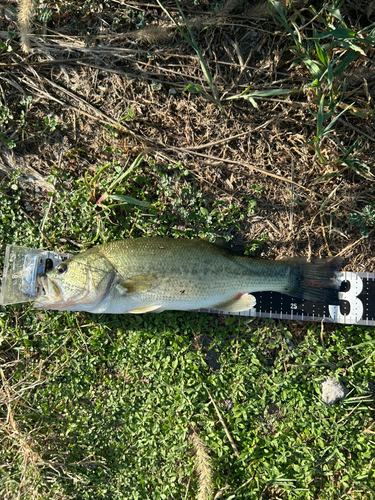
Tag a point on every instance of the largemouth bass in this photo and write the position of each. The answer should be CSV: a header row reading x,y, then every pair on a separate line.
x,y
156,274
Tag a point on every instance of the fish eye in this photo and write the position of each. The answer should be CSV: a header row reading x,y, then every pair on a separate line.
x,y
62,268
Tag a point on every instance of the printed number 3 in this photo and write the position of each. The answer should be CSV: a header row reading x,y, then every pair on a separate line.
x,y
356,305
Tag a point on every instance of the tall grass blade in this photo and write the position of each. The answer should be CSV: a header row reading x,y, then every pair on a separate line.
x,y
130,200
320,117
192,42
346,61
121,177
340,33
331,124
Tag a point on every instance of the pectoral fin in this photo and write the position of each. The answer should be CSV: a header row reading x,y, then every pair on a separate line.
x,y
145,309
242,303
140,283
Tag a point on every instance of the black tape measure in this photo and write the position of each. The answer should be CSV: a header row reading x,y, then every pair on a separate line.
x,y
357,303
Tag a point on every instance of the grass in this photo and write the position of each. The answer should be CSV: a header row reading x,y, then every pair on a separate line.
x,y
186,405
120,407
120,399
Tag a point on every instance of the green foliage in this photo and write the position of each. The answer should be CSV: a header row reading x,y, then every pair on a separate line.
x,y
364,220
50,123
119,396
14,227
6,116
14,122
84,210
106,405
256,245
327,55
44,14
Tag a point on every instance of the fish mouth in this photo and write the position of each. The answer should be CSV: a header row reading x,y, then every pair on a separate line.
x,y
52,298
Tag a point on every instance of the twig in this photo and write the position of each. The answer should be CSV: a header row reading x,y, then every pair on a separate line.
x,y
45,63
228,139
348,415
248,165
49,206
291,201
353,244
233,444
347,124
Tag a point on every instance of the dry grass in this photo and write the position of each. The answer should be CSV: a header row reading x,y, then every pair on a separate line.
x,y
25,15
106,74
204,470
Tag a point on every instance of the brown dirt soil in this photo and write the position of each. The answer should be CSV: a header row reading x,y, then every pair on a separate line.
x,y
88,69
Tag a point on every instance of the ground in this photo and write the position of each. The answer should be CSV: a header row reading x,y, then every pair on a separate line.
x,y
259,130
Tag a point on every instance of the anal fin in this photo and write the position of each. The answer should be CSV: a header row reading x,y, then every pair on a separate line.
x,y
145,309
243,302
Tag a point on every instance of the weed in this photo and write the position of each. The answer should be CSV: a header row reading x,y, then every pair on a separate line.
x,y
113,131
136,18
14,123
44,14
256,245
5,117
327,55
328,61
50,123
25,16
155,85
119,396
84,210
203,468
365,220
130,115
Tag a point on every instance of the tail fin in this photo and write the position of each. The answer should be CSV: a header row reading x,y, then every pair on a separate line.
x,y
315,280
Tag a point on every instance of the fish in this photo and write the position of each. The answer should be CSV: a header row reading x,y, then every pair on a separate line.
x,y
155,274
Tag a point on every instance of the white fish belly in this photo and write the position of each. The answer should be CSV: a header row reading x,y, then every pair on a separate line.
x,y
120,305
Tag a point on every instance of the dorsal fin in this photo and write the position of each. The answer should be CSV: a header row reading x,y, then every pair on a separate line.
x,y
235,245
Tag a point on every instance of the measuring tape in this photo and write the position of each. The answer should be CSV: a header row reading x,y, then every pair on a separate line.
x,y
357,304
